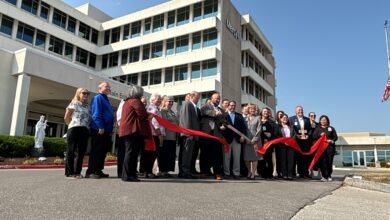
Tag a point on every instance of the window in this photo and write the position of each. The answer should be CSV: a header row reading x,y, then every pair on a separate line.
x,y
134,55
157,49
135,29
155,77
144,78
170,46
168,75
94,36
44,10
182,44
197,11
148,25
146,52
56,45
195,70
84,31
181,73
92,60
81,56
347,158
126,32
11,1
30,6
132,79
59,18
68,51
125,54
209,68
113,59
104,61
158,22
171,19
183,15
6,25
40,39
71,24
250,86
115,35
106,37
210,37
196,40
25,33
210,8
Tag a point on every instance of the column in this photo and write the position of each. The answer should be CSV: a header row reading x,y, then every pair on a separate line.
x,y
20,105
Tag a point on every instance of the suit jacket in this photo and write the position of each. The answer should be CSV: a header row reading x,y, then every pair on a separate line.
x,y
239,124
294,122
209,122
189,117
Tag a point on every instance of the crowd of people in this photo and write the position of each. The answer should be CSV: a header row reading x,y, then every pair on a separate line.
x,y
245,132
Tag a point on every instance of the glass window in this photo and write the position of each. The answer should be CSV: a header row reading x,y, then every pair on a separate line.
x,y
84,31
144,78
6,25
59,18
155,77
104,61
71,24
135,29
25,33
158,22
115,35
11,1
181,73
210,37
157,49
171,19
209,68
168,75
182,44
148,25
126,32
132,79
125,54
195,70
146,52
30,6
134,55
210,8
196,40
40,39
81,56
183,15
44,10
94,36
92,60
68,50
56,45
198,11
113,59
170,46
106,37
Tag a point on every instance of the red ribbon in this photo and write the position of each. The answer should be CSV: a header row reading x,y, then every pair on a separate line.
x,y
318,147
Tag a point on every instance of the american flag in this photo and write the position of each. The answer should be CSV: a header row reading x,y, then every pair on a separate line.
x,y
386,94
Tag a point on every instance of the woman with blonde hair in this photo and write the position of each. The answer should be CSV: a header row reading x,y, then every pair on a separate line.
x,y
77,117
250,156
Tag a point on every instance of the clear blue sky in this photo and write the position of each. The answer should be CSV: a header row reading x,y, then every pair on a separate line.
x,y
331,55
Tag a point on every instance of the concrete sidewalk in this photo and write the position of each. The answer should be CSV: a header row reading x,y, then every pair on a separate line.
x,y
348,203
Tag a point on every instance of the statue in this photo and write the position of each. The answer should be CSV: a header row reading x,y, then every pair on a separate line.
x,y
40,128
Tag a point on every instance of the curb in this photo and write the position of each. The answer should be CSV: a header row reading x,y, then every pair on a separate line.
x,y
42,166
364,184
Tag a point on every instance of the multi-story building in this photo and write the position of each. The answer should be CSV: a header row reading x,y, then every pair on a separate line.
x,y
48,48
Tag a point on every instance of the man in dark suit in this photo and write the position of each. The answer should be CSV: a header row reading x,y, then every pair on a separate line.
x,y
211,149
189,118
302,128
238,122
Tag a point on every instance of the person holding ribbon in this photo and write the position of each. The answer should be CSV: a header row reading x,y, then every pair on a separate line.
x,y
326,159
286,158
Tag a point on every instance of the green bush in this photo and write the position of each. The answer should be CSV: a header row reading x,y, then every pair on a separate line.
x,y
20,146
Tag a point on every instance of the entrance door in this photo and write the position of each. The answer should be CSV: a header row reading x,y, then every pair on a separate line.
x,y
359,158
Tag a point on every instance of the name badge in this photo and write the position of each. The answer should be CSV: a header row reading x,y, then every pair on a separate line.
x,y
329,129
296,123
264,128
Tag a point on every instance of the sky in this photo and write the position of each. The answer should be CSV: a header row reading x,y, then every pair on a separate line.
x,y
330,55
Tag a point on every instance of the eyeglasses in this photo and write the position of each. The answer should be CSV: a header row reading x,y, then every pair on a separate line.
x,y
85,93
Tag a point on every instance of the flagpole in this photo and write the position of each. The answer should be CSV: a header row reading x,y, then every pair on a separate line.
x,y
387,49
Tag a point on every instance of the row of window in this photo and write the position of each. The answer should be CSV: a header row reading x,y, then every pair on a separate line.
x,y
249,37
350,157
176,45
61,19
208,8
171,74
249,86
249,61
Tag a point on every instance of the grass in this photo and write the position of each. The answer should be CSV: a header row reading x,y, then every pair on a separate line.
x,y
377,177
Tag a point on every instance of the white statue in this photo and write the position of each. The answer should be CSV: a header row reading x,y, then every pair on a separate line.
x,y
40,128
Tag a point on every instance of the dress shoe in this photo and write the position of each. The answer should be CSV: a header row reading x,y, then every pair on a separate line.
x,y
102,175
195,172
218,177
180,175
93,176
131,179
203,176
236,177
189,176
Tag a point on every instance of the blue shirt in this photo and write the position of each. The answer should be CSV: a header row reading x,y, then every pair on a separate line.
x,y
102,114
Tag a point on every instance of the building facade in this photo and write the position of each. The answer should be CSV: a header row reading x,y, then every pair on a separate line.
x,y
48,49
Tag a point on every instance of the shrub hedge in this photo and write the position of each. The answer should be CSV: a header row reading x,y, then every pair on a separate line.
x,y
20,146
